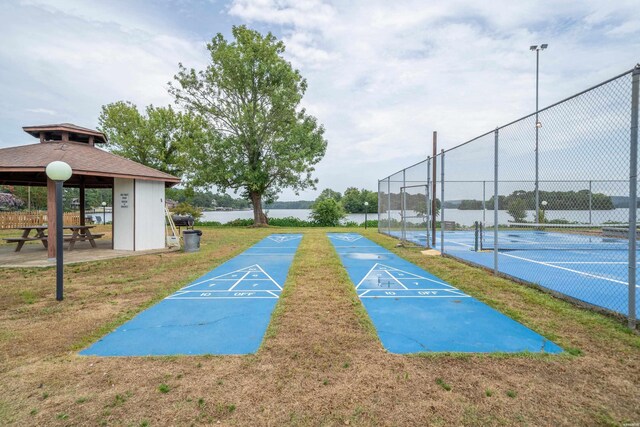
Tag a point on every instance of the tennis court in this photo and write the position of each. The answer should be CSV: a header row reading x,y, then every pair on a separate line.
x,y
415,311
225,311
587,267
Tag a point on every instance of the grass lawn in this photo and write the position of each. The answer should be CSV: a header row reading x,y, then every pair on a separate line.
x,y
321,362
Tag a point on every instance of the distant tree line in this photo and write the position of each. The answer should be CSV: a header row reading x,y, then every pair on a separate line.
x,y
17,197
353,200
556,200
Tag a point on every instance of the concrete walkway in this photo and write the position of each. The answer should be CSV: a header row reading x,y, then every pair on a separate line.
x,y
34,255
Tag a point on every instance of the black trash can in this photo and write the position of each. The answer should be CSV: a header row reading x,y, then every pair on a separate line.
x,y
191,240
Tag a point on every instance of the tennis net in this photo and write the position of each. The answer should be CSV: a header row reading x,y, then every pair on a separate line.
x,y
554,237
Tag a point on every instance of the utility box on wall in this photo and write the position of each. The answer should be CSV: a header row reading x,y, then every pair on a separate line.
x,y
138,214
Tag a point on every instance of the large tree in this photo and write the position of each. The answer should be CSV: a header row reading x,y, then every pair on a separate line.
x,y
260,139
156,138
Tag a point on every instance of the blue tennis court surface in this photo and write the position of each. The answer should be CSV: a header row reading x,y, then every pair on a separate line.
x,y
226,311
597,274
415,311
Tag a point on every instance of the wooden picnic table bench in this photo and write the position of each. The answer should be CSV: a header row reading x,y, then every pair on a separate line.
x,y
79,233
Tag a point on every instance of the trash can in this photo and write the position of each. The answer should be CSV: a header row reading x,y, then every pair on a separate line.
x,y
191,240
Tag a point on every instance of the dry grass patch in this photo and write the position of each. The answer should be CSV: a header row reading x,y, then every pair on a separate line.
x,y
321,363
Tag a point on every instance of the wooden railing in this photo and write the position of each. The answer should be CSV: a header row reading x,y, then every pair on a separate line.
x,y
21,219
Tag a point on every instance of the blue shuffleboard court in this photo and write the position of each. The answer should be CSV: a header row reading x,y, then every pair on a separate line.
x,y
226,311
415,311
592,269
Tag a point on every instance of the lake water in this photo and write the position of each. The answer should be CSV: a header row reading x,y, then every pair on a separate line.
x,y
462,217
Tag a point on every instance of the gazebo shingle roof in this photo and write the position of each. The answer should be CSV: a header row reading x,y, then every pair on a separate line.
x,y
83,159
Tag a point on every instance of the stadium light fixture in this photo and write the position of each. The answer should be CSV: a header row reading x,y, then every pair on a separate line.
x,y
537,50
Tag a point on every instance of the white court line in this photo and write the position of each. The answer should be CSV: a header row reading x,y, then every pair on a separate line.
x,y
290,254
552,265
364,293
275,295
239,280
569,269
224,298
416,296
399,282
405,278
587,262
267,274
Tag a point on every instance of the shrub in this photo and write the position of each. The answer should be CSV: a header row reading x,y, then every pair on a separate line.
x,y
518,210
372,223
240,223
327,213
185,208
208,223
290,221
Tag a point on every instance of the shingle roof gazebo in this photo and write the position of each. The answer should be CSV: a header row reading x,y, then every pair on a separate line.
x,y
138,190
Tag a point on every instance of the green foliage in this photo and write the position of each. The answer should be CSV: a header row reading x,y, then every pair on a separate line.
x,y
354,200
327,213
470,205
556,200
290,222
205,199
328,193
38,196
258,140
187,209
443,384
517,208
295,204
163,388
239,223
155,139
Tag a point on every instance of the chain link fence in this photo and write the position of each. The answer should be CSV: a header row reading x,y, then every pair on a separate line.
x,y
549,199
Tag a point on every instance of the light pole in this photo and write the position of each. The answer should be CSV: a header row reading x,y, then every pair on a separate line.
x,y
59,172
537,49
366,211
104,212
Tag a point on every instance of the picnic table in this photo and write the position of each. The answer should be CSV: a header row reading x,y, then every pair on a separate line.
x,y
79,233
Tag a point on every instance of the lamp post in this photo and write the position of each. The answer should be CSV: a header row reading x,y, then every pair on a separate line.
x,y
537,49
104,212
366,211
59,172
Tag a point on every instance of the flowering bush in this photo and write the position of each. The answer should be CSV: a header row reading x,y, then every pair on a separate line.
x,y
9,202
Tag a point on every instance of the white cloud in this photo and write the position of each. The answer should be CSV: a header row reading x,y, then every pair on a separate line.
x,y
44,111
383,75
69,58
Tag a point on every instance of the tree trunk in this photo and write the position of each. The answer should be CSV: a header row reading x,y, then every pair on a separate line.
x,y
259,218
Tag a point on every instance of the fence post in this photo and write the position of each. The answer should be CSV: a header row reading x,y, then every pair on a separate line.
x,y
633,196
403,204
428,208
389,205
590,202
495,203
442,202
378,206
484,203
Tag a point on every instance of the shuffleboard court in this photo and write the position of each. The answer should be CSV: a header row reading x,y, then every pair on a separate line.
x,y
415,311
226,311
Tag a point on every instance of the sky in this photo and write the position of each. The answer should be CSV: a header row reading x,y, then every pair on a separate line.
x,y
382,75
